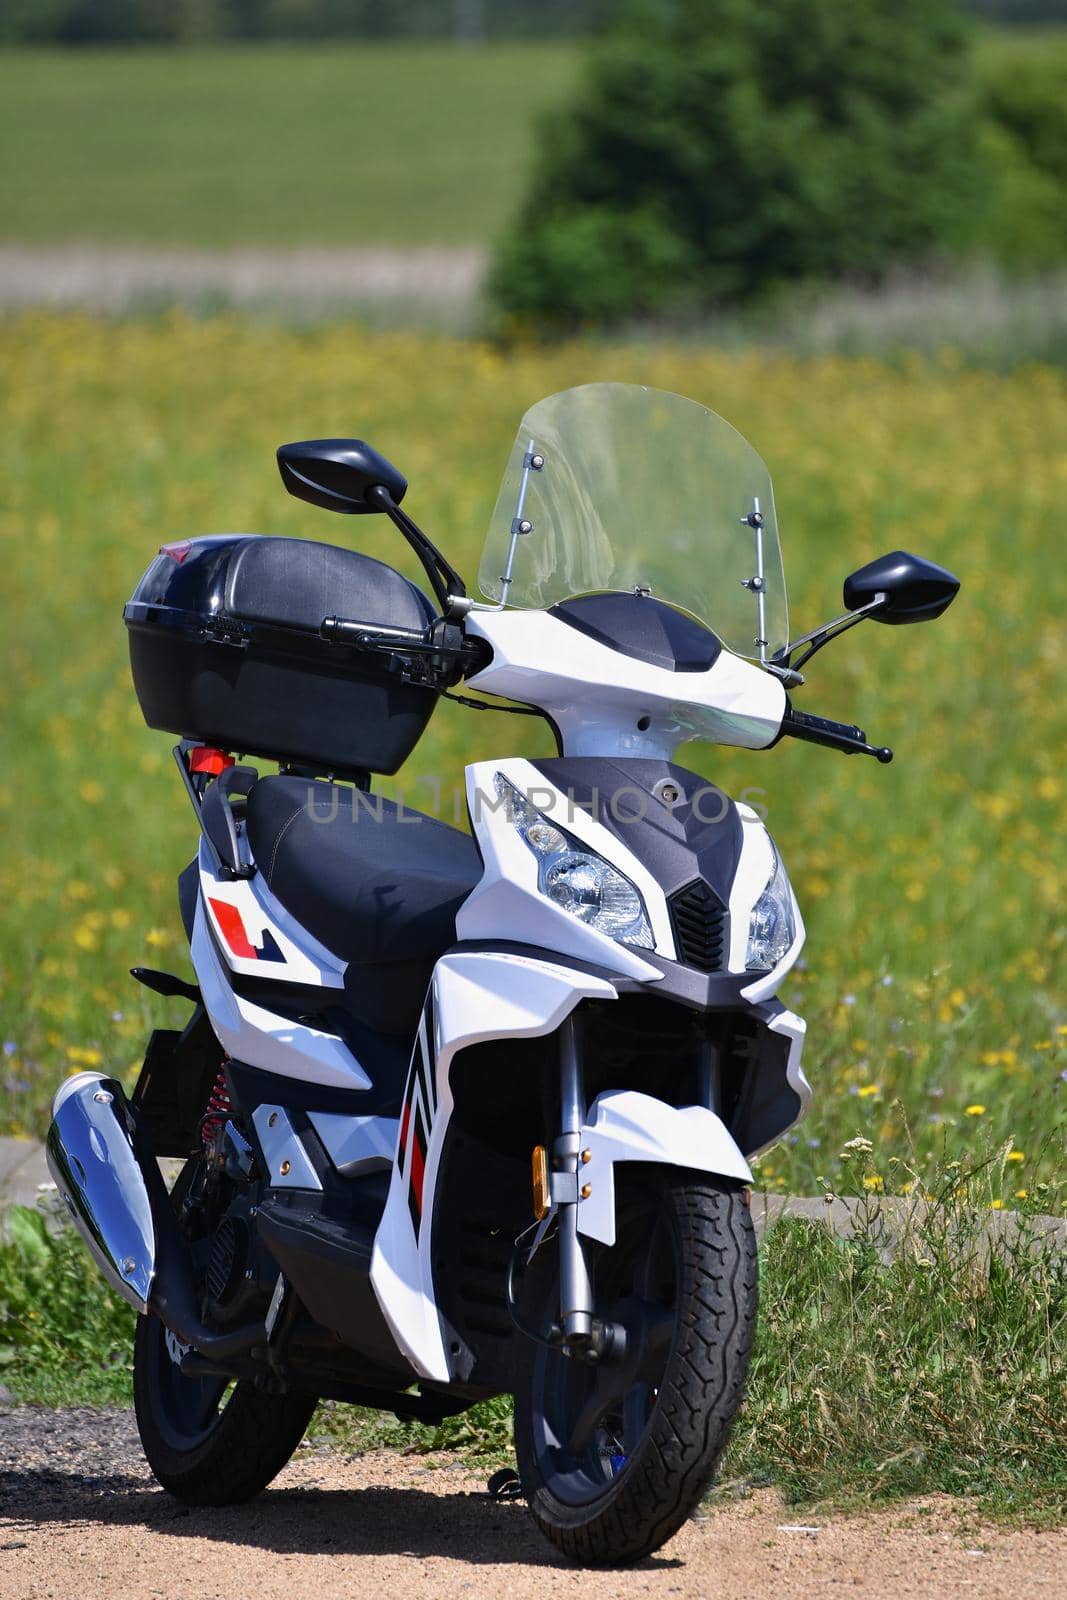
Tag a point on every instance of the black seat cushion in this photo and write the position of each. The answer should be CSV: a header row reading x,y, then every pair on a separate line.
x,y
374,884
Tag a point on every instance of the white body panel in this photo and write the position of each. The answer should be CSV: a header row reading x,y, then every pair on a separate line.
x,y
793,1028
629,1126
597,696
477,996
356,1145
507,904
259,1037
304,959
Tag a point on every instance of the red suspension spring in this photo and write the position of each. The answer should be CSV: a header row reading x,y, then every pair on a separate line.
x,y
218,1108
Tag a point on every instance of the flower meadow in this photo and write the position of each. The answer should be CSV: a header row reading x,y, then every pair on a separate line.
x,y
932,890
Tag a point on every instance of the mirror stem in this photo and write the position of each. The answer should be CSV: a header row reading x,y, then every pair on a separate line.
x,y
445,581
828,631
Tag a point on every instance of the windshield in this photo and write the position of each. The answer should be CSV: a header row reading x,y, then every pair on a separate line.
x,y
617,487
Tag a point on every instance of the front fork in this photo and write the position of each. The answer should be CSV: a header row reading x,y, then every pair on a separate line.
x,y
575,1283
582,1334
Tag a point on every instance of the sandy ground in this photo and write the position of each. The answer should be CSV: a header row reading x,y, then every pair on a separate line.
x,y
79,1516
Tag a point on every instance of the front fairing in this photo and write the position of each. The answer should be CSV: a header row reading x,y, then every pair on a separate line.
x,y
605,702
699,860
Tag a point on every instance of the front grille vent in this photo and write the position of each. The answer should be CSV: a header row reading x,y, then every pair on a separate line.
x,y
698,922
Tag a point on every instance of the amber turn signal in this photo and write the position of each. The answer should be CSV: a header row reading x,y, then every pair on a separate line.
x,y
539,1173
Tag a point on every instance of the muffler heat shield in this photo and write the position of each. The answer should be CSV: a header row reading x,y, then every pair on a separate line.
x,y
92,1159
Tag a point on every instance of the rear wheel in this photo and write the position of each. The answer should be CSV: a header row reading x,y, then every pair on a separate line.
x,y
614,1457
209,1441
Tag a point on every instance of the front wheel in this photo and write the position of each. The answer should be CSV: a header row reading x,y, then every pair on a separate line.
x,y
614,1457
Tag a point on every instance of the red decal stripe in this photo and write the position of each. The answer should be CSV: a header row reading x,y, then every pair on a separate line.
x,y
233,929
418,1172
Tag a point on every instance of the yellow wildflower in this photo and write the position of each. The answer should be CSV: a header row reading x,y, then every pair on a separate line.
x,y
974,1111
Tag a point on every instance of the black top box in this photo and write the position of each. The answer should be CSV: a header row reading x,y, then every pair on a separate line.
x,y
225,649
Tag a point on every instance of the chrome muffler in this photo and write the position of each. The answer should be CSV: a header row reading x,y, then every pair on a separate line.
x,y
90,1151
112,1187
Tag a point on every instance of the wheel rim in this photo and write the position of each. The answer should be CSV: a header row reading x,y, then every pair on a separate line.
x,y
186,1410
588,1421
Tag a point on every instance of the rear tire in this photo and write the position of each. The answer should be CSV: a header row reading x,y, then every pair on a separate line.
x,y
209,1441
682,1276
207,1447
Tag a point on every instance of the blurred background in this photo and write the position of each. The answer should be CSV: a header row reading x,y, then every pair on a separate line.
x,y
842,224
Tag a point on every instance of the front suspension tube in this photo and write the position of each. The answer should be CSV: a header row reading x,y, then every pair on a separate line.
x,y
575,1284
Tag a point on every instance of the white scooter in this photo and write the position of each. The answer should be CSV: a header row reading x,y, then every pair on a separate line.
x,y
470,1114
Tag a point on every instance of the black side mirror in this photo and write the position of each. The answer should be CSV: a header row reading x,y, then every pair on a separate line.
x,y
914,590
339,474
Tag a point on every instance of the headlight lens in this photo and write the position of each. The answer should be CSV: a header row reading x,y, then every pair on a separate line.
x,y
771,927
574,877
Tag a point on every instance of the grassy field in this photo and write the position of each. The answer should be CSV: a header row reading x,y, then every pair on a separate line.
x,y
355,144
403,144
932,890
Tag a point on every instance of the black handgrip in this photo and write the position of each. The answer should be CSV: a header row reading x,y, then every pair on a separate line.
x,y
843,736
372,635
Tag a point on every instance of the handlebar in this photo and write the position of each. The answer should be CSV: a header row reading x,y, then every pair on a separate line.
x,y
842,736
438,655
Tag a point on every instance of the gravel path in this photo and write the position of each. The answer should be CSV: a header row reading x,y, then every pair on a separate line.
x,y
306,282
79,1515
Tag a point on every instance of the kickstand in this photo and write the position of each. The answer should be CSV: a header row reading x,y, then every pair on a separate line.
x,y
505,1485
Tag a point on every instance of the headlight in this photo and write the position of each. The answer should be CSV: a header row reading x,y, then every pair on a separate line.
x,y
771,927
574,877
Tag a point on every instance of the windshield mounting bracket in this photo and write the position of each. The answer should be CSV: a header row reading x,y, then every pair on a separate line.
x,y
532,461
757,584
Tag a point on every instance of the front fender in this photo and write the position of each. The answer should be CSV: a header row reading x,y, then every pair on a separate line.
x,y
625,1125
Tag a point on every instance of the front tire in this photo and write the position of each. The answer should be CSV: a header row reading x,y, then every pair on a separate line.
x,y
615,1458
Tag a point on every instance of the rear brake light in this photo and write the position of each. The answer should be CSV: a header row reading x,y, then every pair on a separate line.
x,y
207,759
177,551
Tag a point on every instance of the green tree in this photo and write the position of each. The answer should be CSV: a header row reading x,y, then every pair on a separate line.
x,y
719,147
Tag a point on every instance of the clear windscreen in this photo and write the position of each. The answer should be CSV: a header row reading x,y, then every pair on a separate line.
x,y
627,488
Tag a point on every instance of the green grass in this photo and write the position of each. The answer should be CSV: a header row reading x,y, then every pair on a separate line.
x,y
932,890
290,145
938,1368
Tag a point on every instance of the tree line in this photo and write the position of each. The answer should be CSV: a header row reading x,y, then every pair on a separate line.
x,y
116,22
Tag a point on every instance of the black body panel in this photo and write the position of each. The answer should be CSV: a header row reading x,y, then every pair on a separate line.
x,y
188,894
327,1260
225,649
644,628
171,1092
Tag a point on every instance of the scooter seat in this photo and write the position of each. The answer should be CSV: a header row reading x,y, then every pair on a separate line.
x,y
374,883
